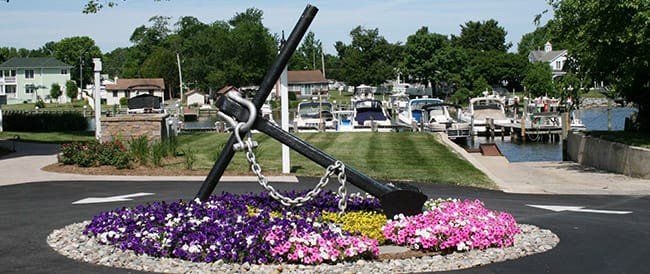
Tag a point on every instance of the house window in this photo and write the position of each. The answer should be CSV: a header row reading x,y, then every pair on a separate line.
x,y
29,89
10,73
127,94
114,93
558,65
29,74
64,71
10,89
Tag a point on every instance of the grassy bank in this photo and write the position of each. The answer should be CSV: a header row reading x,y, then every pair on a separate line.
x,y
384,156
638,139
49,137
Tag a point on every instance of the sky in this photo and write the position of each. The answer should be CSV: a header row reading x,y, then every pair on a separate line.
x,y
32,23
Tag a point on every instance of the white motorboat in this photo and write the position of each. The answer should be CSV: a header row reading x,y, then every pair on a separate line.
x,y
413,112
483,108
314,116
369,113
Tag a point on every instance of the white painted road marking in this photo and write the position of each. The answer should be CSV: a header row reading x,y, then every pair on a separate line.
x,y
119,198
578,209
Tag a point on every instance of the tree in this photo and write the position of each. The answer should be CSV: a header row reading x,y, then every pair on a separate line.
x,y
368,59
422,55
536,39
71,90
55,91
308,55
609,39
539,79
70,50
482,36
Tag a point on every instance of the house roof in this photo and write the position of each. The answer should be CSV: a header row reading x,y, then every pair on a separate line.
x,y
34,62
546,56
225,89
138,83
306,77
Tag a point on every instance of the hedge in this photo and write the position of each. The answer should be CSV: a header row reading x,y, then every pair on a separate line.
x,y
44,121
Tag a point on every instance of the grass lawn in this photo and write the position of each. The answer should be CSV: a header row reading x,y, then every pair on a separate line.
x,y
77,105
385,156
50,137
638,139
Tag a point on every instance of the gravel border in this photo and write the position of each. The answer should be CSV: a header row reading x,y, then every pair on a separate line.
x,y
70,242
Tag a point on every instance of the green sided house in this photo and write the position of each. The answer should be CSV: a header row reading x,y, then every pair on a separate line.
x,y
29,79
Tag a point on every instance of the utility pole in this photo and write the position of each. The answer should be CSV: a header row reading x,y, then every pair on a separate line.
x,y
98,98
180,75
81,75
322,60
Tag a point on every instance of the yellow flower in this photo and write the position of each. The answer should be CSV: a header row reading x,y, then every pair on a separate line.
x,y
367,223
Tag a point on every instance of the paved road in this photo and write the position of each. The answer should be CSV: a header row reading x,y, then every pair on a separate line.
x,y
590,243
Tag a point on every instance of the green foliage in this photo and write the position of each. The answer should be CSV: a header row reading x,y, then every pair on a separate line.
x,y
609,39
44,121
480,85
159,151
68,50
189,157
539,79
139,148
368,59
482,36
217,151
308,55
292,96
55,91
91,154
40,104
537,39
172,145
422,59
124,101
71,90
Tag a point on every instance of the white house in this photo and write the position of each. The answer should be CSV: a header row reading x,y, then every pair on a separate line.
x,y
195,97
555,58
130,88
306,83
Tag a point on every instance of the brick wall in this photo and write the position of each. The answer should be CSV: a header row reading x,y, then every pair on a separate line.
x,y
134,125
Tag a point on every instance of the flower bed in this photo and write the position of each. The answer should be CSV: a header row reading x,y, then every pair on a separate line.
x,y
254,228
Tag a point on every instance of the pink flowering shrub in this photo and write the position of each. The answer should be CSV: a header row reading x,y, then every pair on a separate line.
x,y
448,225
311,247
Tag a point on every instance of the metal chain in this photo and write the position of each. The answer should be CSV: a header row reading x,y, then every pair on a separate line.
x,y
298,201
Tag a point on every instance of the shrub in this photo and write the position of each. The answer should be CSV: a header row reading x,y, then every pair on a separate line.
x,y
40,104
172,145
44,121
217,151
93,153
190,158
158,152
292,96
139,149
71,90
55,91
124,101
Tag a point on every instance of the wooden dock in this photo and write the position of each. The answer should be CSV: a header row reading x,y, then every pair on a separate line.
x,y
531,132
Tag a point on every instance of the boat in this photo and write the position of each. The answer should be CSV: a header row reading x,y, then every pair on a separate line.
x,y
412,114
369,113
312,115
439,119
488,106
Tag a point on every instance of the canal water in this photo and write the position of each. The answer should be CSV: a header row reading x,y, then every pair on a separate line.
x,y
592,118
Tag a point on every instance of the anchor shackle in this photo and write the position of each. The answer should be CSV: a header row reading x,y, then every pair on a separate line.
x,y
234,109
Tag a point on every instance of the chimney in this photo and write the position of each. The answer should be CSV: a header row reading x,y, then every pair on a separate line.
x,y
548,47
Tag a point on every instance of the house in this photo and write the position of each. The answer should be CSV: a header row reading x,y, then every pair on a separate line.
x,y
555,58
28,79
306,83
129,88
195,97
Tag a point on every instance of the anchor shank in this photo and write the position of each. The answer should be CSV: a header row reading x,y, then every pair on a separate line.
x,y
355,177
265,89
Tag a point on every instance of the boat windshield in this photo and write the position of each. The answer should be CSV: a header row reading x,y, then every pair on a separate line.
x,y
487,104
418,104
436,110
373,104
311,109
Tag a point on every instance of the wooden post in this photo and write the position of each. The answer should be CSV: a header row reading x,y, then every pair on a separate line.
x,y
609,114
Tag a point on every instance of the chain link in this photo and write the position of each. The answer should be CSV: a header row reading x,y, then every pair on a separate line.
x,y
301,200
